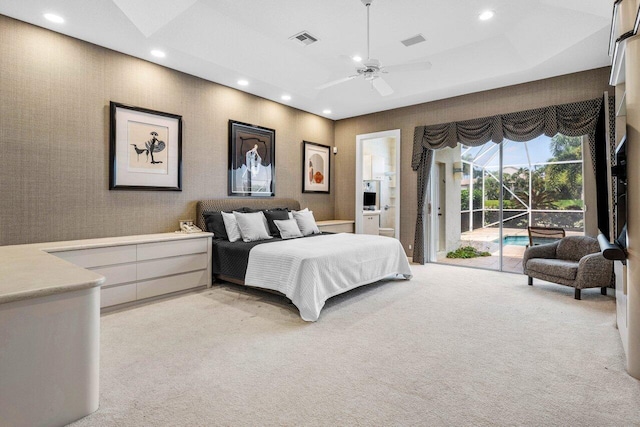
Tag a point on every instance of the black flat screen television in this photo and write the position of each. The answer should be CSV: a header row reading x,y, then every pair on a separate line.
x,y
369,199
612,240
602,160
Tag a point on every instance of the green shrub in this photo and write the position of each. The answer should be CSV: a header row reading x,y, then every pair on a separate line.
x,y
467,252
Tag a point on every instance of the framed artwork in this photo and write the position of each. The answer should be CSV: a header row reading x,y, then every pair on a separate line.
x,y
316,167
145,150
252,160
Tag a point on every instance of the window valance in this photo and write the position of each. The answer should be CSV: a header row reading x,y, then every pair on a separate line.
x,y
575,119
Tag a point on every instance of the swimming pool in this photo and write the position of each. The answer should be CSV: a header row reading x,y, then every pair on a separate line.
x,y
524,240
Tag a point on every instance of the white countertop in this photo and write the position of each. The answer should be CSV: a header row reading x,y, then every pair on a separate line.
x,y
30,271
376,212
335,222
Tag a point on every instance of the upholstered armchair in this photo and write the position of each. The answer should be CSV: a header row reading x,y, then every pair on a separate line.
x,y
573,261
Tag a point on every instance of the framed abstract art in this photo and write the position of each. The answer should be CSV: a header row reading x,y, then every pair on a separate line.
x,y
252,160
316,167
145,151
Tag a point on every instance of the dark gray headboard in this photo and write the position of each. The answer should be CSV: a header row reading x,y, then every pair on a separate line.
x,y
230,204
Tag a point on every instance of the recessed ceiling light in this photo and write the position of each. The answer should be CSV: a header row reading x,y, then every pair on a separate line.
x,y
486,15
243,82
286,97
158,53
356,58
54,18
326,111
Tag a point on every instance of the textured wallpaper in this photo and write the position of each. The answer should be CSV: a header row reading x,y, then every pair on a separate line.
x,y
54,139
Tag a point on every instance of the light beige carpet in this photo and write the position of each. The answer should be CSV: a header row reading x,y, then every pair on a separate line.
x,y
453,346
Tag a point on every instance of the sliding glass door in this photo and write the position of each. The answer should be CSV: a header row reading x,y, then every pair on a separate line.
x,y
503,189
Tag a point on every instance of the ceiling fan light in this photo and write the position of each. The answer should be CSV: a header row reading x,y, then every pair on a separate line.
x,y
356,58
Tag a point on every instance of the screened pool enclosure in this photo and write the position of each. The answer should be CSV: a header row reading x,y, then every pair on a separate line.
x,y
508,186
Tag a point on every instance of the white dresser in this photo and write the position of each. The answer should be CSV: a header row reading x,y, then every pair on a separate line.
x,y
141,267
336,225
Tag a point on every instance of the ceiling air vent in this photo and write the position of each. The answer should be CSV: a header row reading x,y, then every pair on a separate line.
x,y
413,40
304,38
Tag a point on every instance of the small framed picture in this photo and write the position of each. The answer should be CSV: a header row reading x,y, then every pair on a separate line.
x,y
316,167
252,160
145,149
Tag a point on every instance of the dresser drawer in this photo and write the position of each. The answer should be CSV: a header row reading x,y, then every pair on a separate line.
x,y
171,248
165,285
116,274
97,257
117,295
174,265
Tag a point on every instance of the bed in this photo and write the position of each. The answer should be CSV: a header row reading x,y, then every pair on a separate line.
x,y
307,270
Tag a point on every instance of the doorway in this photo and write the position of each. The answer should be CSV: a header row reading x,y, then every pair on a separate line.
x,y
378,180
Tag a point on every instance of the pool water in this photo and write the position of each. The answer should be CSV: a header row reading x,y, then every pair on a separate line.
x,y
524,240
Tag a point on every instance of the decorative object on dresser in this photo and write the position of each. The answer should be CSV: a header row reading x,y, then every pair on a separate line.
x,y
140,267
307,270
252,156
145,151
316,167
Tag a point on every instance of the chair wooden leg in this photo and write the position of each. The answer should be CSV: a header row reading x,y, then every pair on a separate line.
x,y
530,281
577,294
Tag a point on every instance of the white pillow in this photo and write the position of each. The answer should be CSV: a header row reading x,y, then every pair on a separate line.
x,y
253,226
291,212
306,222
288,228
231,225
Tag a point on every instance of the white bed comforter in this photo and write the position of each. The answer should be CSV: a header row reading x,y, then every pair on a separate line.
x,y
309,271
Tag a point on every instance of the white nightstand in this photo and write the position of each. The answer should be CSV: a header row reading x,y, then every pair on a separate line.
x,y
337,226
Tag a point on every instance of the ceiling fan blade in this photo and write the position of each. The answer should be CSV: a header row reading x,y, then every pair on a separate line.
x,y
381,86
413,66
336,82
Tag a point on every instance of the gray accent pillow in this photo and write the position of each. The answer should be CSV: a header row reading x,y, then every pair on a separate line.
x,y
306,222
288,228
253,226
231,226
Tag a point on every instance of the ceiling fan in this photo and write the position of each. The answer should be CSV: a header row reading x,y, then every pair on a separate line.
x,y
371,69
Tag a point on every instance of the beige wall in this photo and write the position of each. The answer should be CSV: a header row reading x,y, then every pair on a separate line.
x,y
54,155
558,90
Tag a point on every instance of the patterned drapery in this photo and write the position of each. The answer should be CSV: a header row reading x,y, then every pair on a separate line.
x,y
575,119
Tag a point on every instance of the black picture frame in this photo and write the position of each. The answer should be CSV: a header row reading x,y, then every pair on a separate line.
x,y
316,168
252,160
145,149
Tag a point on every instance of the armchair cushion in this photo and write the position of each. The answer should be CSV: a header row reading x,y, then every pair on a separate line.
x,y
541,251
575,247
553,267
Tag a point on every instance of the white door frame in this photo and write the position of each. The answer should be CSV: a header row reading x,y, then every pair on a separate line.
x,y
359,142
